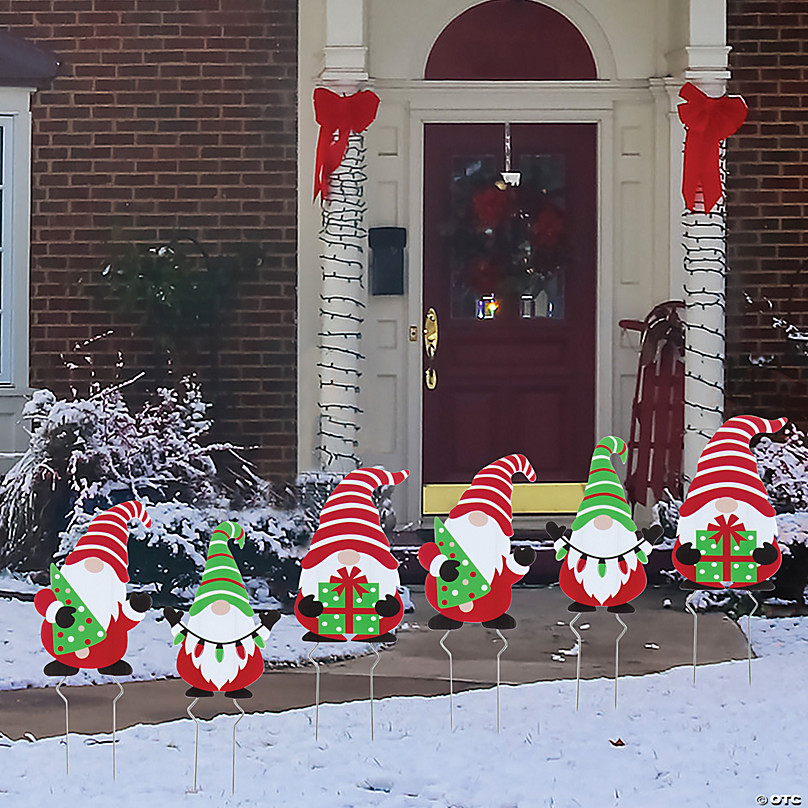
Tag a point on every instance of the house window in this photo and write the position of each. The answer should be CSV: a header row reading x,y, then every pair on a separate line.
x,y
6,252
15,224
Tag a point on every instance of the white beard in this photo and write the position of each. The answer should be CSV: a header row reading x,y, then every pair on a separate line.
x,y
485,545
223,628
597,543
376,573
766,526
103,592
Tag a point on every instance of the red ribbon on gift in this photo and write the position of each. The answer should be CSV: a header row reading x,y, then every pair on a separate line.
x,y
338,116
708,122
723,531
349,583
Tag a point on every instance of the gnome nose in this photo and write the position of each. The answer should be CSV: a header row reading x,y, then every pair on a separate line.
x,y
726,504
94,565
348,557
220,607
603,522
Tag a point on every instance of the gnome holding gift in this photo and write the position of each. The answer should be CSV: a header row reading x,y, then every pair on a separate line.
x,y
470,565
349,578
220,643
727,529
604,556
86,610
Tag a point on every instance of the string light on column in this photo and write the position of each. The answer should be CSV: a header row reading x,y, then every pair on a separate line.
x,y
343,237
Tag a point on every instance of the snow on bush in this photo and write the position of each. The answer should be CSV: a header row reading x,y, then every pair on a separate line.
x,y
88,454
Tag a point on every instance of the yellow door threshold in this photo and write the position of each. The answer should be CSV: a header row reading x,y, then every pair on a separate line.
x,y
528,498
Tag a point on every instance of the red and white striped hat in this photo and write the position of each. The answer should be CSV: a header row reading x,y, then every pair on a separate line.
x,y
491,490
350,520
107,535
727,467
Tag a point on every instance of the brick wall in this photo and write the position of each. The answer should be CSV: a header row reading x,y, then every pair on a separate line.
x,y
767,205
169,116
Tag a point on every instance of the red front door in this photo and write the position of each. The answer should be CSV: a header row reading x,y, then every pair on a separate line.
x,y
512,275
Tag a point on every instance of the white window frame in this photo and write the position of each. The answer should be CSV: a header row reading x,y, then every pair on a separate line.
x,y
15,241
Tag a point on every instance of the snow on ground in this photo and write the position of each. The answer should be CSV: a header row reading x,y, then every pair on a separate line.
x,y
151,652
781,635
721,741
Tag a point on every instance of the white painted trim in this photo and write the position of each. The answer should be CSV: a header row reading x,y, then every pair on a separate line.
x,y
15,118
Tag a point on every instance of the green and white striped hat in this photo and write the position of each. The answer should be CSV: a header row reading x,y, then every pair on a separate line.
x,y
604,494
221,579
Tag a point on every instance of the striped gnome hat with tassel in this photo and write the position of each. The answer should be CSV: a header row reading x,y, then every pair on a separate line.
x,y
107,536
491,490
350,520
727,467
604,494
222,579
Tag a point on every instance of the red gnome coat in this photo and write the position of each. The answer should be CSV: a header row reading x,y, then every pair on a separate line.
x,y
476,536
349,578
106,540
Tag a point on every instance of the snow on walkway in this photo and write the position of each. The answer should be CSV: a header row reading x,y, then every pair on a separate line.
x,y
151,652
720,742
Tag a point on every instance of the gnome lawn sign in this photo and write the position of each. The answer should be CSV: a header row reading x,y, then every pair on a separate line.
x,y
220,643
87,615
470,566
349,578
604,556
727,534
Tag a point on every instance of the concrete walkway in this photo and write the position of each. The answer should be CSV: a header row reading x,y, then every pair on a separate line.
x,y
657,639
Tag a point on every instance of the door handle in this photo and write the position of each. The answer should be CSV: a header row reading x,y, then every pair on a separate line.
x,y
430,347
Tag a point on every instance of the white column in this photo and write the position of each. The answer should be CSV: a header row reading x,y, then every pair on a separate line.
x,y
343,254
343,299
703,61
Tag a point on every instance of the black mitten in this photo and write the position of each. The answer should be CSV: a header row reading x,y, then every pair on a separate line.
x,y
765,555
448,570
140,601
688,555
64,617
652,534
309,607
389,607
269,618
555,531
172,616
524,556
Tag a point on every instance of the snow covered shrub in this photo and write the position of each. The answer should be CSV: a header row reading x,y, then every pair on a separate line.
x,y
169,558
88,454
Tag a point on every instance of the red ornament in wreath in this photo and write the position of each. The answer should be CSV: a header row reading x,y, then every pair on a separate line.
x,y
548,227
485,275
490,206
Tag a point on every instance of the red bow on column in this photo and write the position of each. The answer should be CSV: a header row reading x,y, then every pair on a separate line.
x,y
338,116
708,122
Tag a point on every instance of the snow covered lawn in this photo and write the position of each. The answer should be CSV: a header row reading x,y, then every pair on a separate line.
x,y
720,742
151,652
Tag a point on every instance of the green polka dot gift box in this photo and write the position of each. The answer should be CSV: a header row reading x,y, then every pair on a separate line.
x,y
348,606
726,558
